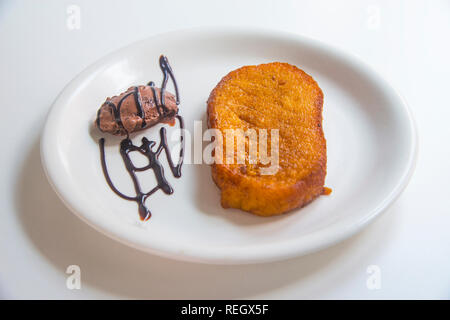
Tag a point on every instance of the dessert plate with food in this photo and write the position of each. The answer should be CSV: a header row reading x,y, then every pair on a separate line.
x,y
228,145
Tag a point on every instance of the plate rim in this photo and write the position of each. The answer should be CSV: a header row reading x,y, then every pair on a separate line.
x,y
336,232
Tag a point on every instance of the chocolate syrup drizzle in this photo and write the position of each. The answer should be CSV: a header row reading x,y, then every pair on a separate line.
x,y
167,72
146,148
116,109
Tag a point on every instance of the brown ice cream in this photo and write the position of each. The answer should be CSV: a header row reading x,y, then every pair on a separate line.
x,y
135,109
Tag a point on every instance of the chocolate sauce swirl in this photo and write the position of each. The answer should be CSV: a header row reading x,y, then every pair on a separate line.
x,y
167,72
146,148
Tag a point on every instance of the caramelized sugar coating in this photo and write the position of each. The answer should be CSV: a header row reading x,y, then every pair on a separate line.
x,y
271,96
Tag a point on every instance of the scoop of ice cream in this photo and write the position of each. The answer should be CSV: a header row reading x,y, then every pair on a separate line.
x,y
135,109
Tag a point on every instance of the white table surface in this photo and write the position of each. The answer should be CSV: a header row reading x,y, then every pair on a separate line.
x,y
407,41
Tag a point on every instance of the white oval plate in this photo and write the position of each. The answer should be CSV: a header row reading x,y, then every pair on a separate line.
x,y
369,130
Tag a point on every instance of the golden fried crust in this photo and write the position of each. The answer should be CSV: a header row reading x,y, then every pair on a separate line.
x,y
271,96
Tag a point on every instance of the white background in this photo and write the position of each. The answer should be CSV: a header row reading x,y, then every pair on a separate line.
x,y
407,41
